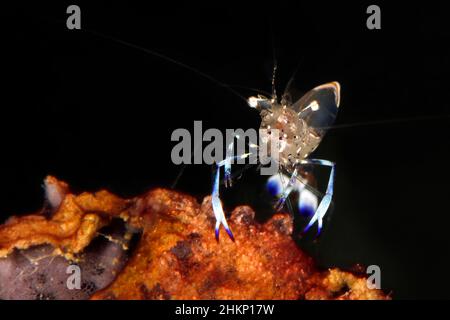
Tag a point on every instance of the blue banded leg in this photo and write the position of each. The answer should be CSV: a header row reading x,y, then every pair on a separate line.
x,y
326,200
227,165
216,204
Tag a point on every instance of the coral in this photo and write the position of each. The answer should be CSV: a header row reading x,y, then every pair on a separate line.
x,y
175,257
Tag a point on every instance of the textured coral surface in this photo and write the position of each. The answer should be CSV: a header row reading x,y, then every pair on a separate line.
x,y
176,256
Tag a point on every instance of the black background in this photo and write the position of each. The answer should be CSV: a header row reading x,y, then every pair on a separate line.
x,y
99,114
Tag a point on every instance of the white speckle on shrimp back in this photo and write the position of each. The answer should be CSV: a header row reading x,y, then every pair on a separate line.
x,y
301,124
295,139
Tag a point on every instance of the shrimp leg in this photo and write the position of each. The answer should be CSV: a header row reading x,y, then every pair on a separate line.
x,y
326,200
216,203
287,190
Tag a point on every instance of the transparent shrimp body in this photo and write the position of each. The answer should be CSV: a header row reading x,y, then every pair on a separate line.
x,y
300,125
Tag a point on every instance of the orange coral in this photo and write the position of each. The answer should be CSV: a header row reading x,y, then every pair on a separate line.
x,y
177,256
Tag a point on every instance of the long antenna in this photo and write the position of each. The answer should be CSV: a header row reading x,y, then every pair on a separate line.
x,y
274,59
386,121
167,58
274,73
